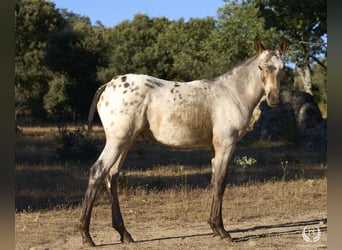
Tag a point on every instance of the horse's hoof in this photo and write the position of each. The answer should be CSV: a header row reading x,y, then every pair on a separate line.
x,y
127,238
89,243
227,238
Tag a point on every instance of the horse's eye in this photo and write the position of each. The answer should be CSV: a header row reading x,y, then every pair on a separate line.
x,y
271,68
260,67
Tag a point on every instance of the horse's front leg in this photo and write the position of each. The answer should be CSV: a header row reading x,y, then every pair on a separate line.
x,y
220,161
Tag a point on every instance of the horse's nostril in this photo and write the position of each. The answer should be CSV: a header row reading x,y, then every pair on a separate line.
x,y
272,99
269,96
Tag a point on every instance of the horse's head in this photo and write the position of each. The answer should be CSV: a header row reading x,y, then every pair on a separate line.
x,y
271,69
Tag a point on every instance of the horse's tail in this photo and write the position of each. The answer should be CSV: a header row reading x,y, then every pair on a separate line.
x,y
92,109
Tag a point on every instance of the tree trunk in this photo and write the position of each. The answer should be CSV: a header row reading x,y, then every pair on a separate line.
x,y
305,75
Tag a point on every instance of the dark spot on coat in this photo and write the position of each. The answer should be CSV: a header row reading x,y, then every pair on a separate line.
x,y
106,103
155,82
176,84
115,77
134,89
125,91
149,85
172,91
126,85
123,78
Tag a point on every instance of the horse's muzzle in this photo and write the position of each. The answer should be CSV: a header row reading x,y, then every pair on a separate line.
x,y
272,98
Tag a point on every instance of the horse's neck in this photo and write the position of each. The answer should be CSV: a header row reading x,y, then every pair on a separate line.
x,y
244,80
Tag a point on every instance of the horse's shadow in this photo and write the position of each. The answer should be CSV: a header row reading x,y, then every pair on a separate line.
x,y
291,226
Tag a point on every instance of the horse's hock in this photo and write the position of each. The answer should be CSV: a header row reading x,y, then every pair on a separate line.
x,y
297,118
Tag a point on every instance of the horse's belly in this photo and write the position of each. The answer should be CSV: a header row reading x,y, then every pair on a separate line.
x,y
182,130
183,138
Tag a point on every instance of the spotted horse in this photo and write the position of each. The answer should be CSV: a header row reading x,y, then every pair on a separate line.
x,y
212,113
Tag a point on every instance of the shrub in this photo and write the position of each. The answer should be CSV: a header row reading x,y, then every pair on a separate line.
x,y
74,145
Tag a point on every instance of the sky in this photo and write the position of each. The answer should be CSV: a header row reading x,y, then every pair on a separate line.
x,y
112,12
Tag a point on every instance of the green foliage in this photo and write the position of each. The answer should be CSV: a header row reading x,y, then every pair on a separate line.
x,y
76,51
34,20
287,81
303,23
241,165
319,86
61,58
190,49
319,80
244,161
239,24
56,99
132,46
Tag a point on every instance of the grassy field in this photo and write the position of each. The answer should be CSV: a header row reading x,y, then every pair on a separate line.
x,y
165,197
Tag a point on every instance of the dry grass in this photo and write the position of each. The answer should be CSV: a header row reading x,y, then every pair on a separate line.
x,y
165,198
265,215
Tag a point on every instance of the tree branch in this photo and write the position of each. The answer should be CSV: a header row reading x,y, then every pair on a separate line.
x,y
319,62
318,44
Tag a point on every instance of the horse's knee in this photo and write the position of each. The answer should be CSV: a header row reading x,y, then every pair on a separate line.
x,y
95,169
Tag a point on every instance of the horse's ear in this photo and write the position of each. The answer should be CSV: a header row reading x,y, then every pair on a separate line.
x,y
258,45
282,46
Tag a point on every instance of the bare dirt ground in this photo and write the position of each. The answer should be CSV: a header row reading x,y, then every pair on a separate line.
x,y
165,200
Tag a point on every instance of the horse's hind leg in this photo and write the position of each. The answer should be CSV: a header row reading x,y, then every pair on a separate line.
x,y
117,221
98,172
112,184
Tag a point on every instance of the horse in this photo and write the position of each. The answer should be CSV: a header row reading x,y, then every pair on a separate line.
x,y
212,113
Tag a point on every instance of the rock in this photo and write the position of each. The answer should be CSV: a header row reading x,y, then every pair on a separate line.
x,y
297,119
296,99
275,124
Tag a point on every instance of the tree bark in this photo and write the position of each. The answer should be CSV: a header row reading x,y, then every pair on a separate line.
x,y
305,75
